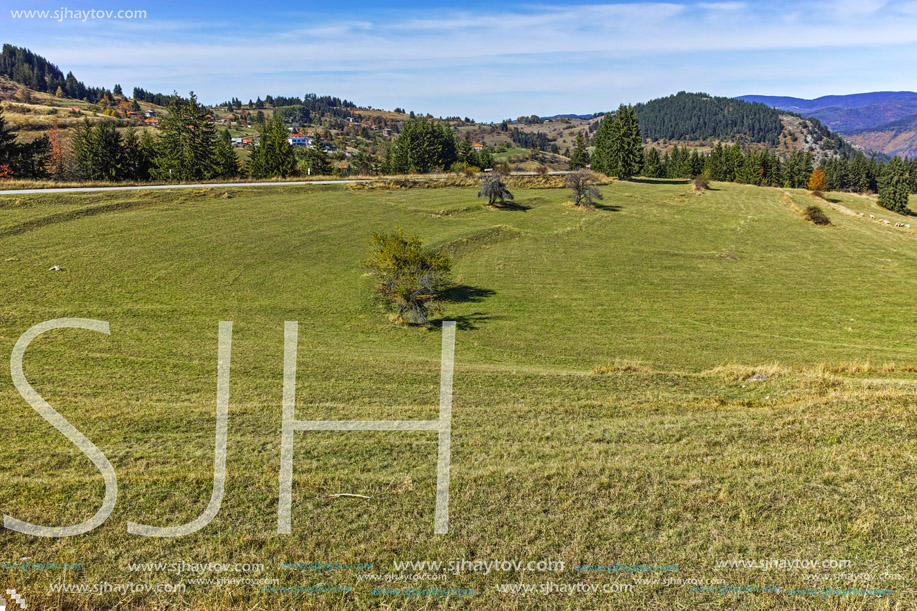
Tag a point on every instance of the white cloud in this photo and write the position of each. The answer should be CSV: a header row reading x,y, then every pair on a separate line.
x,y
539,53
729,7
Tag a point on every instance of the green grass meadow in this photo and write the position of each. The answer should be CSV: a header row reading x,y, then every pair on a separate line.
x,y
673,378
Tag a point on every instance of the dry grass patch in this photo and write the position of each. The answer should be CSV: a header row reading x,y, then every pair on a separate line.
x,y
741,373
849,367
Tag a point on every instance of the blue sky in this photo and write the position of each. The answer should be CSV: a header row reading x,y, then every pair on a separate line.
x,y
486,60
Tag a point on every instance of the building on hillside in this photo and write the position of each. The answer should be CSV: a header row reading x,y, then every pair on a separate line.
x,y
151,122
299,140
149,114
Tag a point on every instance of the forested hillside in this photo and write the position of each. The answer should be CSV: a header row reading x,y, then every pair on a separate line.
x,y
35,72
701,117
698,116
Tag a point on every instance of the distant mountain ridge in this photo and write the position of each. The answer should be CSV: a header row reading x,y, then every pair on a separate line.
x,y
881,121
854,100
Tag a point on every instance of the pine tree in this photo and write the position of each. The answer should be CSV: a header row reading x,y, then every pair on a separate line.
x,y
580,157
894,187
422,146
138,152
857,174
227,163
186,147
628,147
652,164
602,154
273,156
464,150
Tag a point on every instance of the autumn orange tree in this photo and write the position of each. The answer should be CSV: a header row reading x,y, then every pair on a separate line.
x,y
56,155
817,182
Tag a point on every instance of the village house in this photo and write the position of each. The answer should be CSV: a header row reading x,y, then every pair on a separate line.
x,y
299,140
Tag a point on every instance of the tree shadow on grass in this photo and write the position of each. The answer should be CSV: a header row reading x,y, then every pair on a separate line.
x,y
463,293
466,322
659,181
607,207
510,206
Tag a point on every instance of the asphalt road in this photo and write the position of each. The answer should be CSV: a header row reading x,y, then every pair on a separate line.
x,y
176,186
208,184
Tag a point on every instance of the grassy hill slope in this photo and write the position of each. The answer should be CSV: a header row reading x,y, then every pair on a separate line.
x,y
669,379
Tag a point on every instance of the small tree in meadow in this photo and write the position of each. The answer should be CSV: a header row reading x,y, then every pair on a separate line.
x,y
582,182
495,191
411,277
701,182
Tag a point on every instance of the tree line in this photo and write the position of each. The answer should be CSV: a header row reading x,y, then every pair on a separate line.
x,y
763,167
187,148
424,146
20,159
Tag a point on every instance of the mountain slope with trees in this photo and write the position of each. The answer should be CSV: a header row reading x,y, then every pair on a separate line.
x,y
881,121
35,72
698,117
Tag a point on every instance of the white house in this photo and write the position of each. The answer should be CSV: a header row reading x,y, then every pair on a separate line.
x,y
299,140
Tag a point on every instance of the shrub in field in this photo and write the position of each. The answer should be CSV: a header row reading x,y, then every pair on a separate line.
x,y
816,215
701,182
411,277
582,182
495,191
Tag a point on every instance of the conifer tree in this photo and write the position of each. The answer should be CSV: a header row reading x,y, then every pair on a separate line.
x,y
186,146
628,146
652,164
273,156
894,187
579,158
602,154
315,159
227,163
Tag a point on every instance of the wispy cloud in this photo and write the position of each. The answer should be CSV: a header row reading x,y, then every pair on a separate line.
x,y
547,52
